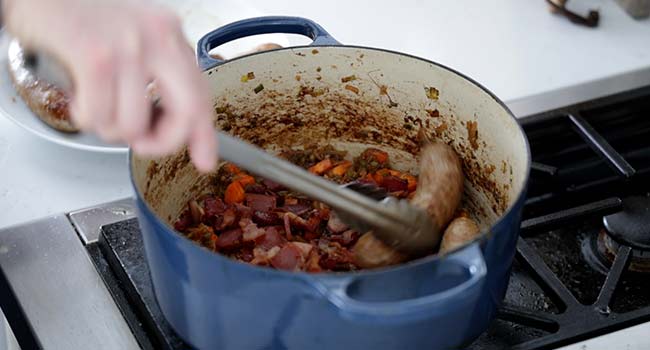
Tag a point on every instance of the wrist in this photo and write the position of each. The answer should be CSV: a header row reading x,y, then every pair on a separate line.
x,y
10,11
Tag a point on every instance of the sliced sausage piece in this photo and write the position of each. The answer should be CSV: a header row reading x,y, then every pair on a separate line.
x,y
439,190
230,239
272,238
460,231
288,258
370,252
260,202
440,185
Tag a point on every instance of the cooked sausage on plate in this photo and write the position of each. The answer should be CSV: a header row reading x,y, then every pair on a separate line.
x,y
49,102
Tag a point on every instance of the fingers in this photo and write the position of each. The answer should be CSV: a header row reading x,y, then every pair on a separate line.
x,y
203,146
187,116
134,108
93,103
111,85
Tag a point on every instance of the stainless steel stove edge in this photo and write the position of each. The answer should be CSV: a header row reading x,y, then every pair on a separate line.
x,y
88,221
56,284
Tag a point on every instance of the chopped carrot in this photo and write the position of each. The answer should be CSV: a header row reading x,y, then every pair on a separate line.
x,y
378,178
321,167
386,172
380,156
234,193
244,179
380,174
341,168
413,181
369,177
213,242
232,168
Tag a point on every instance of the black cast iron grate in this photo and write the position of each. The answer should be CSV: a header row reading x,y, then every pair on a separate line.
x,y
587,158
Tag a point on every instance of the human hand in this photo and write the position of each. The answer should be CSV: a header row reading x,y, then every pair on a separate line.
x,y
113,49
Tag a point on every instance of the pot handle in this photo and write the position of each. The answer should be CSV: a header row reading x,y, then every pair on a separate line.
x,y
468,262
255,26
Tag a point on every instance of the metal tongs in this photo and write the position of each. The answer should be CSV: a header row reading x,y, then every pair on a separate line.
x,y
396,222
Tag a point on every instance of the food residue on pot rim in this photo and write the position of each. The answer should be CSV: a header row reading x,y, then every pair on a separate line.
x,y
433,113
352,88
432,93
248,76
275,120
472,133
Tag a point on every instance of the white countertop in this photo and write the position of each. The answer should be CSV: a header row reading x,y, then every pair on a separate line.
x,y
531,59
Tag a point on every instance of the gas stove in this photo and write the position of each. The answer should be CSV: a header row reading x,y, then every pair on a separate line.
x,y
582,268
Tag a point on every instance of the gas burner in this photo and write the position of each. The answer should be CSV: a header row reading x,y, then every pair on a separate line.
x,y
631,227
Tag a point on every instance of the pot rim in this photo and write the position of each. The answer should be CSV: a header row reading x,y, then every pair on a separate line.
x,y
484,236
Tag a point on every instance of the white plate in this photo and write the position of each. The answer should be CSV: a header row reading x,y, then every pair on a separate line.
x,y
199,17
13,107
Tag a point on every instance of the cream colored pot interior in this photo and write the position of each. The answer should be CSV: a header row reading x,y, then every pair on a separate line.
x,y
352,98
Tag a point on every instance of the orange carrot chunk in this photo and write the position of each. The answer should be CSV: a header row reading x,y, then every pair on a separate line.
x,y
380,156
234,193
413,181
244,179
321,167
341,168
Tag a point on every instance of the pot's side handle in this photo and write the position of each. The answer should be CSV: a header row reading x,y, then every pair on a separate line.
x,y
469,263
255,26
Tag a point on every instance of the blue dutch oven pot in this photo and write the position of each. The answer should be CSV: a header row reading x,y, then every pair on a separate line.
x,y
435,302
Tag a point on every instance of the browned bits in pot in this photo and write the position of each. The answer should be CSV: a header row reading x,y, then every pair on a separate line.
x,y
433,113
352,88
440,129
298,77
472,133
348,78
310,90
432,93
314,51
